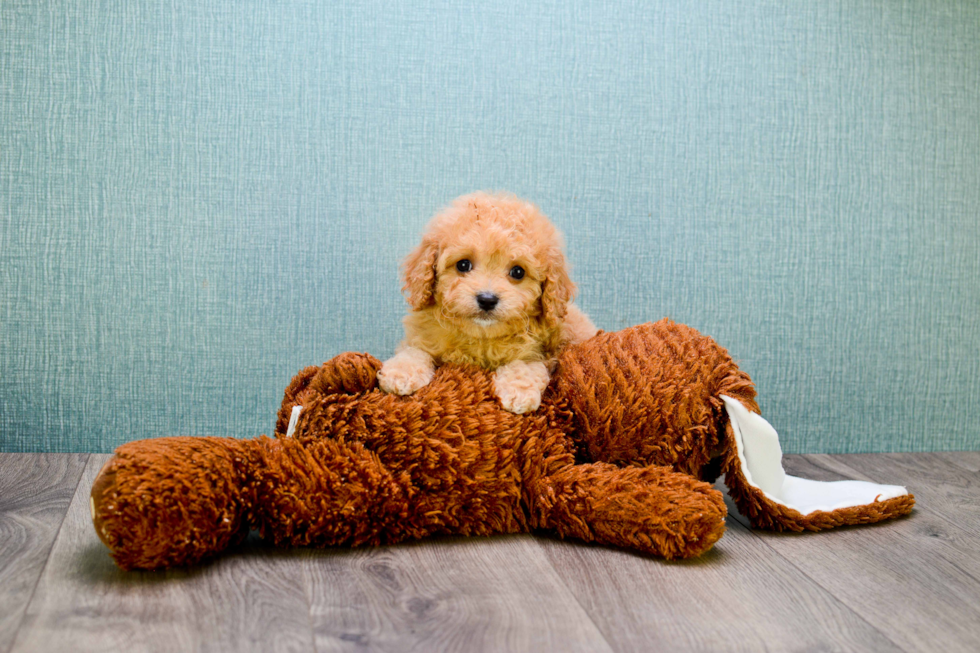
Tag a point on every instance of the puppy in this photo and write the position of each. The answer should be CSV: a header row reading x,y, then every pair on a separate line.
x,y
488,286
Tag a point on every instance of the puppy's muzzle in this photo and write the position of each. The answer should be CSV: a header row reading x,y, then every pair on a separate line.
x,y
487,301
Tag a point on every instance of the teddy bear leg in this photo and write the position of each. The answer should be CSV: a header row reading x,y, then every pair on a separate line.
x,y
772,499
652,509
169,502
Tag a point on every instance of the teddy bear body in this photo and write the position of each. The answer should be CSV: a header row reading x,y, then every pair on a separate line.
x,y
628,430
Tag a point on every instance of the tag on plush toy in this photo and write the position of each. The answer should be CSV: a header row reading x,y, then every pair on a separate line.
x,y
293,419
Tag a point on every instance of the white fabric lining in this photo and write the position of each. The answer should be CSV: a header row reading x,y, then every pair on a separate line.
x,y
761,457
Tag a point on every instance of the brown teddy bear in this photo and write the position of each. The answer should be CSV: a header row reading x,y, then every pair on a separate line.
x,y
630,428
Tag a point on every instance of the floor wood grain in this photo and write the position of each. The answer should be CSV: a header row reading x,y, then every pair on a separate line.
x,y
908,585
494,594
968,460
907,577
737,597
35,491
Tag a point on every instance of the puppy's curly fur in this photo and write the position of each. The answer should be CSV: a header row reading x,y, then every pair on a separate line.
x,y
489,286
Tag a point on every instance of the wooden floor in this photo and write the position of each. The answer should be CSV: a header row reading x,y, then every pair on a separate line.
x,y
909,585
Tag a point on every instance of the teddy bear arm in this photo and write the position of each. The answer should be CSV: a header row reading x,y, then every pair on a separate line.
x,y
651,509
208,493
327,492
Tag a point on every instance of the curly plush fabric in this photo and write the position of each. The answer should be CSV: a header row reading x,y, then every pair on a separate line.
x,y
630,427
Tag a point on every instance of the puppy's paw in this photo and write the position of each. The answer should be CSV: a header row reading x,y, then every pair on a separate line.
x,y
519,385
517,400
406,372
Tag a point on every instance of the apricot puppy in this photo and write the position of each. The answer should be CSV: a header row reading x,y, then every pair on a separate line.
x,y
489,286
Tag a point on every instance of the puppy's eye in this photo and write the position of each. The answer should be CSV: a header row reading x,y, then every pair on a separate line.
x,y
517,272
464,265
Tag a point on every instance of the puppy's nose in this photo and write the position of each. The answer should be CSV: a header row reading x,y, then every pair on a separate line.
x,y
487,300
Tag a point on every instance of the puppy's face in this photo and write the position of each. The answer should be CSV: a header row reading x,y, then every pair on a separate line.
x,y
488,280
490,263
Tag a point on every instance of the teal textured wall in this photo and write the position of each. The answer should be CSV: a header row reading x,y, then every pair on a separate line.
x,y
198,199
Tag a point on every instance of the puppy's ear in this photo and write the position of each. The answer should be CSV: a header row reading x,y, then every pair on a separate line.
x,y
420,275
556,291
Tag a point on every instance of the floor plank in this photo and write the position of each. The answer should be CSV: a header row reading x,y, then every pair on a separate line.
x,y
968,460
252,599
35,491
912,584
909,578
739,596
478,594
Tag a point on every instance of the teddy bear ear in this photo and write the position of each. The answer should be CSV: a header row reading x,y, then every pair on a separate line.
x,y
419,269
